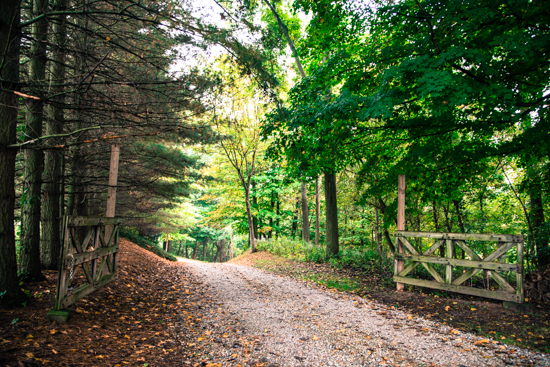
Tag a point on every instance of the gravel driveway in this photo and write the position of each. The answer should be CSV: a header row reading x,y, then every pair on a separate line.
x,y
262,319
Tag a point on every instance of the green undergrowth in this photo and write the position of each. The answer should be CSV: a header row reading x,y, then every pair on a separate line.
x,y
146,244
354,257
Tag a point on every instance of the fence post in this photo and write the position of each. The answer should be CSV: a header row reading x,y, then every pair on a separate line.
x,y
519,275
449,268
401,187
111,193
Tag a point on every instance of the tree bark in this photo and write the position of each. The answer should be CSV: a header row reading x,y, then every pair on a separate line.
x,y
537,220
386,233
10,38
331,214
255,207
29,254
278,217
305,213
447,222
456,204
295,219
51,221
271,217
436,224
251,233
317,212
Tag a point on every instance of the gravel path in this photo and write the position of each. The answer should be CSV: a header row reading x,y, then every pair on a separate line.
x,y
267,320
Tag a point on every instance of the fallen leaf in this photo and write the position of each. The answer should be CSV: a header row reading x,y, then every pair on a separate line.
x,y
481,342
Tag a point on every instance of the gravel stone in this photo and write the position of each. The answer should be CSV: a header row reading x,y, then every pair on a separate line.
x,y
278,321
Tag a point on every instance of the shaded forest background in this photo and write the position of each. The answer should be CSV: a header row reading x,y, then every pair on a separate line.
x,y
283,122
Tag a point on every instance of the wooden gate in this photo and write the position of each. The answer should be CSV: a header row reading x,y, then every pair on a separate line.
x,y
493,263
85,246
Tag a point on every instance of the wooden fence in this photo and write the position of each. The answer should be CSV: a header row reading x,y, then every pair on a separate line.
x,y
492,263
85,246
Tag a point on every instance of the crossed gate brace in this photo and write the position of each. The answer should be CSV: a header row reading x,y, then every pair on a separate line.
x,y
97,257
477,264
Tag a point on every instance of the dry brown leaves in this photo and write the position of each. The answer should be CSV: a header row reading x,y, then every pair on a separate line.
x,y
131,321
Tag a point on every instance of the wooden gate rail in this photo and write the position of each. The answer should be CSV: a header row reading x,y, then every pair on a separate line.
x,y
476,264
96,256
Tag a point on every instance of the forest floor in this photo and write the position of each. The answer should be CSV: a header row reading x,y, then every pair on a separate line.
x,y
476,315
160,313
132,321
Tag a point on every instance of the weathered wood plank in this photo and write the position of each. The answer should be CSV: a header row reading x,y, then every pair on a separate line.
x,y
111,194
73,240
519,275
459,262
83,291
93,221
460,289
468,250
88,256
409,247
408,269
449,253
502,282
401,189
432,248
463,236
465,276
500,251
62,272
433,272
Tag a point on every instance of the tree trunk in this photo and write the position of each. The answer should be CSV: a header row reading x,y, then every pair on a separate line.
x,y
331,214
456,204
76,199
10,38
436,224
460,225
204,250
255,208
169,246
29,254
317,211
295,218
222,243
186,252
386,233
195,252
271,217
251,233
305,213
447,222
537,220
278,217
377,234
51,221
